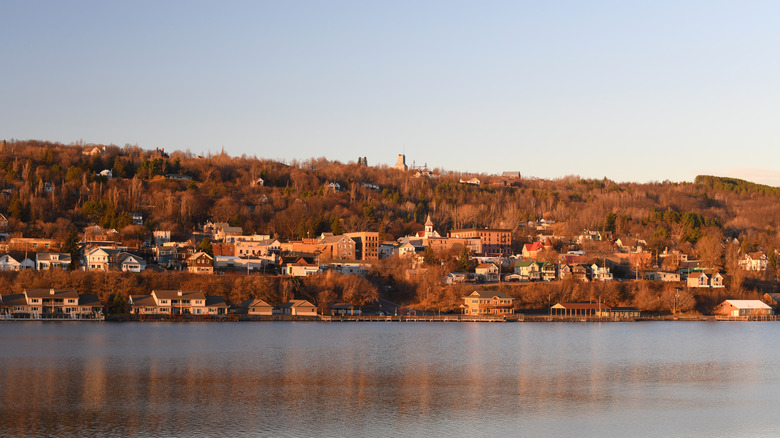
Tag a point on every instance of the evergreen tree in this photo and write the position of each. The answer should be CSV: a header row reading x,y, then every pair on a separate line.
x,y
205,246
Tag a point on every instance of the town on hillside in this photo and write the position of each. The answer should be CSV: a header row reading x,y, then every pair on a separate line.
x,y
121,228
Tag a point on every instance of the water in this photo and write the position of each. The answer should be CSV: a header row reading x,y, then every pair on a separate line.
x,y
389,379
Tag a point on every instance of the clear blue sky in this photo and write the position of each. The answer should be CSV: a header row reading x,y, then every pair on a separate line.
x,y
635,91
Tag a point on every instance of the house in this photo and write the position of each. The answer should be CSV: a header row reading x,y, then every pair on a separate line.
x,y
200,263
224,232
127,262
472,181
233,263
461,277
3,222
254,306
580,309
137,218
528,271
99,258
531,250
489,272
299,267
662,276
349,268
106,173
165,255
298,308
577,272
549,271
45,261
482,302
743,308
754,261
259,182
177,302
255,248
161,236
701,279
48,303
600,273
698,279
9,263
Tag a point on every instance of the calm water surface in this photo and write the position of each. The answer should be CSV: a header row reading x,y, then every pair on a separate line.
x,y
389,379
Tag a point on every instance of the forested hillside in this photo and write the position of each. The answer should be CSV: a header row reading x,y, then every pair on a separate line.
x,y
48,189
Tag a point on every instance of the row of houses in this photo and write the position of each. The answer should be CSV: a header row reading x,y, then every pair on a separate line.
x,y
43,303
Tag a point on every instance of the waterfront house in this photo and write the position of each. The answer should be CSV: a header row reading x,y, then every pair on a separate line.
x,y
486,302
580,309
177,302
51,303
298,308
253,306
743,308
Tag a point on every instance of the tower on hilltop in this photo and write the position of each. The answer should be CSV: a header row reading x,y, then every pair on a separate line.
x,y
401,163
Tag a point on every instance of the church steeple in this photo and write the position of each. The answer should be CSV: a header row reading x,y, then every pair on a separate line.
x,y
428,226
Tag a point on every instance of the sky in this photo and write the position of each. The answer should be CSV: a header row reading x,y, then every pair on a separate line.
x,y
628,90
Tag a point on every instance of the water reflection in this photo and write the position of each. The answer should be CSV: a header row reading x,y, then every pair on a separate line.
x,y
655,379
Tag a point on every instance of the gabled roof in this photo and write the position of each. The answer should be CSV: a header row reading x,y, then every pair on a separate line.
x,y
179,295
488,294
297,303
14,300
215,301
536,246
256,302
142,300
198,255
748,304
89,300
48,293
53,256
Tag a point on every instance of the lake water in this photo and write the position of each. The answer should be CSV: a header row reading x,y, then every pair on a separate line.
x,y
389,379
